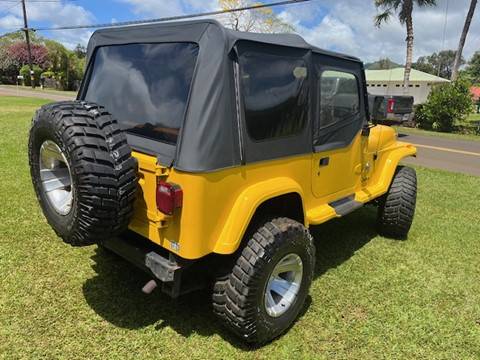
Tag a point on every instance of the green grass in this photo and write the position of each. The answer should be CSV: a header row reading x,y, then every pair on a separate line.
x,y
456,136
37,89
468,123
371,298
473,117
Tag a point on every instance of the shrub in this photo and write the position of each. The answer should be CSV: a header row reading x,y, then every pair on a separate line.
x,y
445,105
25,72
48,74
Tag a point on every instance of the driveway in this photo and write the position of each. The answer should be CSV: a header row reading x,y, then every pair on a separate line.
x,y
8,90
448,154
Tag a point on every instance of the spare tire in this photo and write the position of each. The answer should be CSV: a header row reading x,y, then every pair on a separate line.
x,y
82,171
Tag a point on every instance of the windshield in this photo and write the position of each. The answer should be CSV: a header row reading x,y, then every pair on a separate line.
x,y
144,86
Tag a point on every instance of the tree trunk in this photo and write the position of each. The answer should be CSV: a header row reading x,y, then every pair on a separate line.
x,y
408,61
461,43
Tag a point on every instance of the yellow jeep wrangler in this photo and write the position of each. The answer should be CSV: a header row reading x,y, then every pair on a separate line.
x,y
203,155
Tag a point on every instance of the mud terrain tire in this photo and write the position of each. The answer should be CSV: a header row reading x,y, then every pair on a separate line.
x,y
397,207
84,143
240,300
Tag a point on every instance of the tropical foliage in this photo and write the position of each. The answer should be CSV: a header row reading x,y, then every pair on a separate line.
x,y
439,64
473,69
446,105
463,37
51,60
403,9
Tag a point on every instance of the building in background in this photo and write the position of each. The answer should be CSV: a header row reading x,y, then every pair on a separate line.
x,y
475,91
390,82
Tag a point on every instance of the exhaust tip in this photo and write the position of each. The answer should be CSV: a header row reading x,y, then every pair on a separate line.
x,y
149,287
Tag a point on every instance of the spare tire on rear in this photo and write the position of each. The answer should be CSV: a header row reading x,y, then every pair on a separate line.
x,y
82,171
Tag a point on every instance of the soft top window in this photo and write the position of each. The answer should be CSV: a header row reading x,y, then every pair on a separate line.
x,y
339,97
275,93
144,86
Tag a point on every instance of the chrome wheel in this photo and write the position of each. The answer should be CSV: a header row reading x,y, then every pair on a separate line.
x,y
55,177
283,285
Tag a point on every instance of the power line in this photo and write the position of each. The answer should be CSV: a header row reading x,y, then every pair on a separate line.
x,y
10,7
171,18
443,39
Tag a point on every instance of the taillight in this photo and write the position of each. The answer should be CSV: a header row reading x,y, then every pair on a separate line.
x,y
390,105
169,197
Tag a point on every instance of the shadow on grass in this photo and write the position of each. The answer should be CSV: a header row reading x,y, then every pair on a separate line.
x,y
115,292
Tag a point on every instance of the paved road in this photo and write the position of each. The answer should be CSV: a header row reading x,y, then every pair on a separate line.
x,y
448,154
13,91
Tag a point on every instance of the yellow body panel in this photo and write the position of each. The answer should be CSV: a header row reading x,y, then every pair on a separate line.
x,y
217,206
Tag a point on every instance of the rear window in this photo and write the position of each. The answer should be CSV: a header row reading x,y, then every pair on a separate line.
x,y
144,86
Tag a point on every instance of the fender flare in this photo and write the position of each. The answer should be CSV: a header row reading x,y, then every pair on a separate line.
x,y
390,158
245,206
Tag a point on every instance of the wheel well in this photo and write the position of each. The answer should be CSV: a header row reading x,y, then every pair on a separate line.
x,y
288,205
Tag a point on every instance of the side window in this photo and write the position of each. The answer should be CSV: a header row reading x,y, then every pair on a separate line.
x,y
275,93
339,98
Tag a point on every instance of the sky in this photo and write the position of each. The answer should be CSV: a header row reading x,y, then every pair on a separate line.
x,y
341,25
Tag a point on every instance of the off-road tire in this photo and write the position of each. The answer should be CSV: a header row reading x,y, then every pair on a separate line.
x,y
239,297
397,207
103,172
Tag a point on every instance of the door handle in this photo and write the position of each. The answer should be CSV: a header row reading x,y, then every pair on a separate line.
x,y
324,161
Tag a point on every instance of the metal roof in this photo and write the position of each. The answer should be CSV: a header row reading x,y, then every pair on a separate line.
x,y
396,75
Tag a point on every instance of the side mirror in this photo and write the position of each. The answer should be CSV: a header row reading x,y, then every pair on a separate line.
x,y
377,108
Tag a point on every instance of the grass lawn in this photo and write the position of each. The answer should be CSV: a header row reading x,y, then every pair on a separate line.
x,y
37,89
415,131
371,298
471,118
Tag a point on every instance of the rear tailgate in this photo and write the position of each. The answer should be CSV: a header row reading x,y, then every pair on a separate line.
x,y
403,104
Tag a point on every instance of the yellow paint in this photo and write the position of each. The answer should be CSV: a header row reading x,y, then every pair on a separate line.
x,y
448,150
217,206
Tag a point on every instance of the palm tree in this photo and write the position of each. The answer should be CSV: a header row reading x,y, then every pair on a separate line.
x,y
403,9
461,43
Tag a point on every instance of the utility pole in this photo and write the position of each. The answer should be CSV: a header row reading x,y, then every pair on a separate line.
x,y
27,38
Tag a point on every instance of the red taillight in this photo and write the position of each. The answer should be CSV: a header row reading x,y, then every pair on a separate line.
x,y
169,197
390,105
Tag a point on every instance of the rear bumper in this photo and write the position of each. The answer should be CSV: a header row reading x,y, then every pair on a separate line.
x,y
163,266
399,118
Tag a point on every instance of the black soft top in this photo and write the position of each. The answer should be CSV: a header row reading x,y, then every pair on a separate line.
x,y
209,139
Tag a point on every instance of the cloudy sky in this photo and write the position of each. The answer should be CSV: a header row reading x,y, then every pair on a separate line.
x,y
340,25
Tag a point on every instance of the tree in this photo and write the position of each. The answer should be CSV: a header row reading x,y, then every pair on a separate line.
x,y
262,20
13,53
439,64
403,9
80,51
19,36
382,64
473,68
50,57
58,56
25,72
463,37
18,54
446,104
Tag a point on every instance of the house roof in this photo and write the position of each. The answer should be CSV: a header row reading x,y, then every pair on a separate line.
x,y
475,91
396,75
